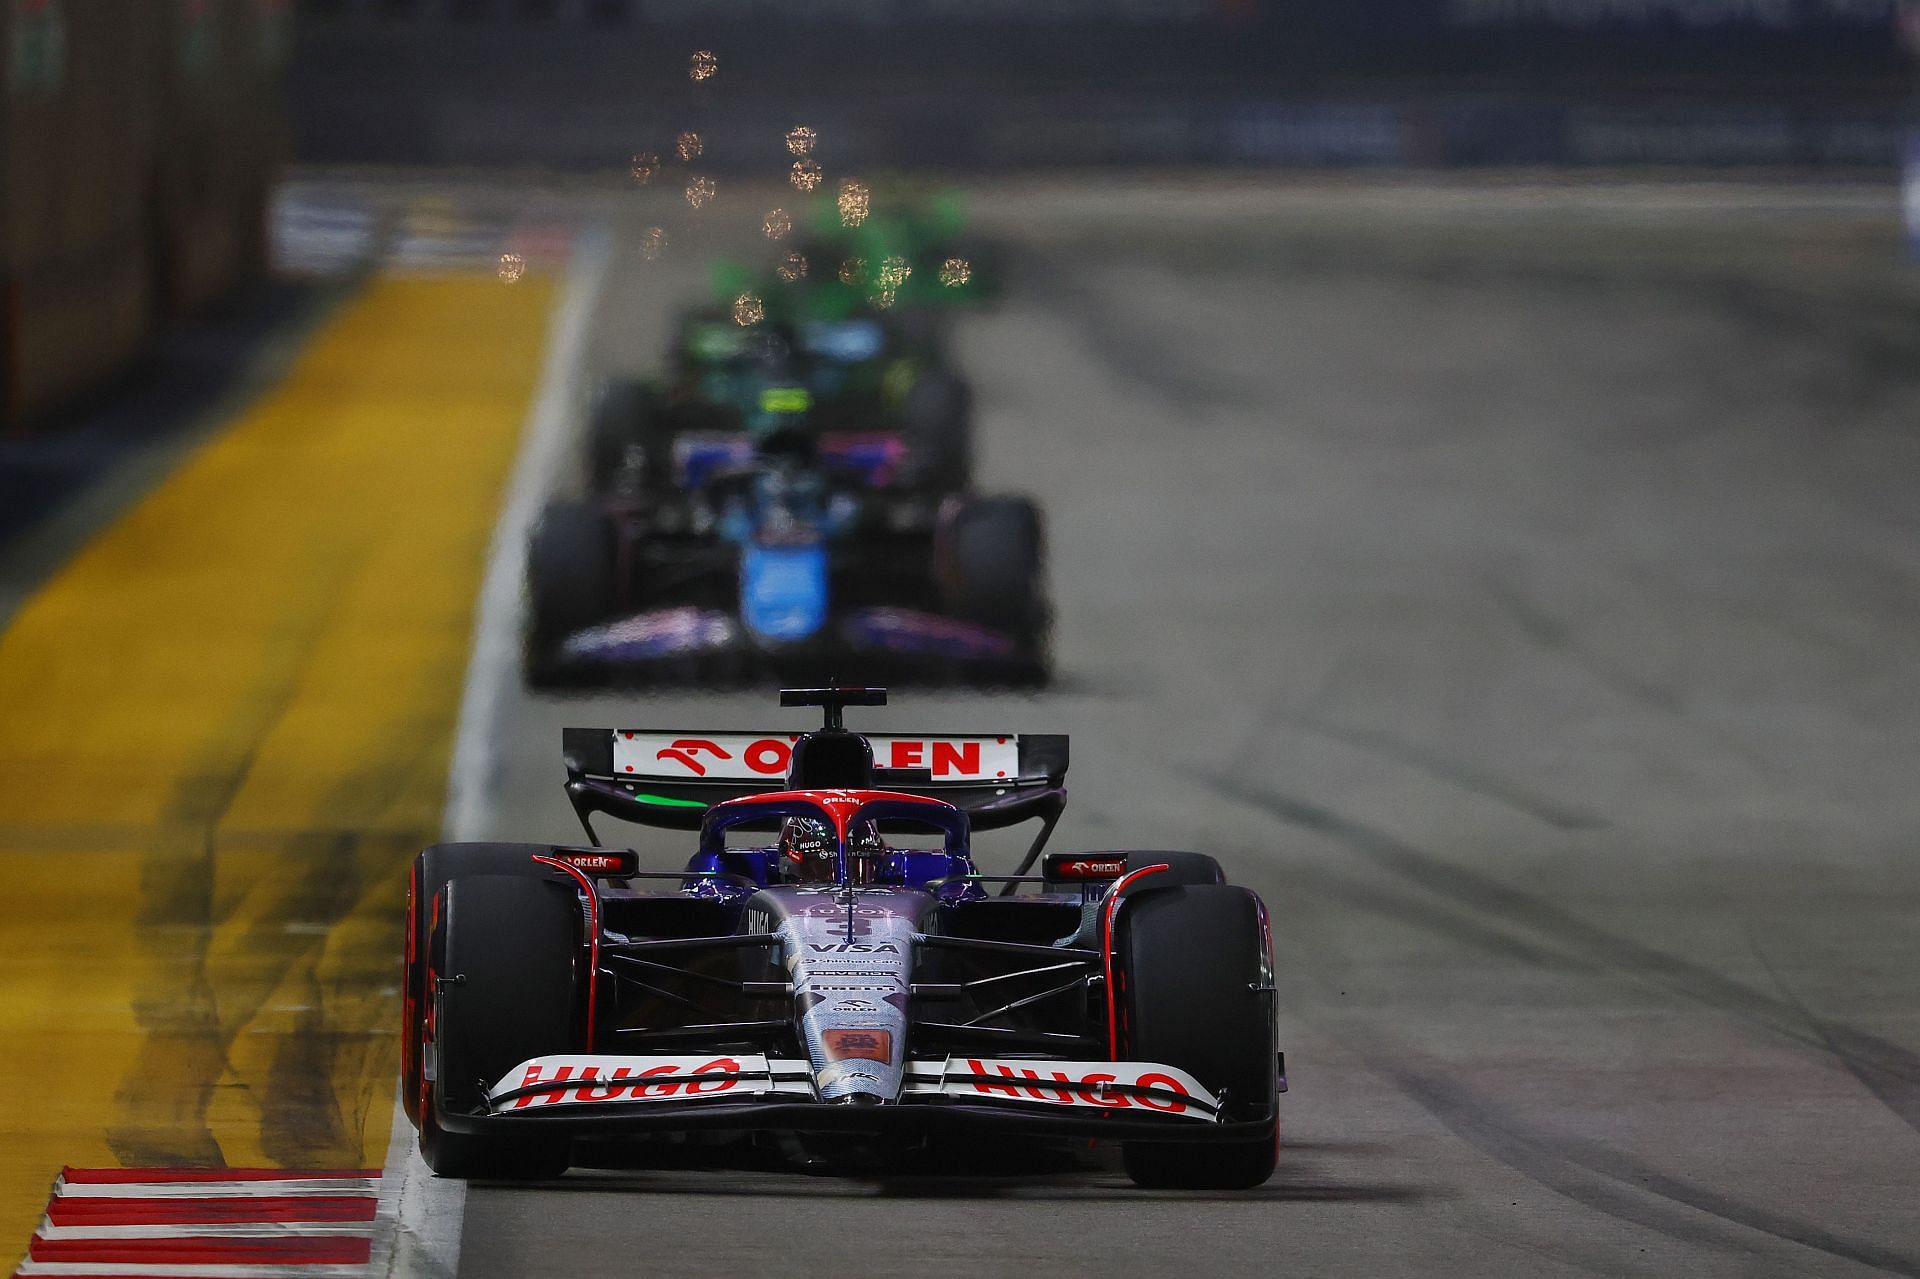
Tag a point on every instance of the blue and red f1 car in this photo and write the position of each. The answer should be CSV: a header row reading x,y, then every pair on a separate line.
x,y
829,963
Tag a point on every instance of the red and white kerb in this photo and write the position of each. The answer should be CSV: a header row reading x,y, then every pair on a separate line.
x,y
260,1223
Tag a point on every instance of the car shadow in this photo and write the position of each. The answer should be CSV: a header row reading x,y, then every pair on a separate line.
x,y
1039,1174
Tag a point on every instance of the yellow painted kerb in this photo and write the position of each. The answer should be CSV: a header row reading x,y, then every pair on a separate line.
x,y
224,730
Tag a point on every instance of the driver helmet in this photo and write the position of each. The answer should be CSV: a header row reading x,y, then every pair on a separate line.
x,y
807,849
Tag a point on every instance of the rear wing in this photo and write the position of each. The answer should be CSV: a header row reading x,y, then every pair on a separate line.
x,y
669,779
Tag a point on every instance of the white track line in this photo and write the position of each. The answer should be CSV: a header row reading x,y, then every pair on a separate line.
x,y
212,1230
424,1212
223,1176
329,1188
171,1270
427,1211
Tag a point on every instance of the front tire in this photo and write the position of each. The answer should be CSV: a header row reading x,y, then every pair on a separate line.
x,y
432,870
1181,868
505,952
937,421
1199,996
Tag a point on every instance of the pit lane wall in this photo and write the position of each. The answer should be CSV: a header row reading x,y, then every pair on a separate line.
x,y
138,143
1039,84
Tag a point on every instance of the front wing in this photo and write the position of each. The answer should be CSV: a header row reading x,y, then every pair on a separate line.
x,y
608,1094
901,637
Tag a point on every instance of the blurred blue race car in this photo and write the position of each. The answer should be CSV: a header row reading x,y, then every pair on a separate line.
x,y
788,554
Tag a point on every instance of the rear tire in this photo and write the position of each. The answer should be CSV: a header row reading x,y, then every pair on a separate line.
x,y
507,948
1194,959
991,554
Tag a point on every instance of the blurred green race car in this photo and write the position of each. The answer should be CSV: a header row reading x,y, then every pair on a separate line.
x,y
866,379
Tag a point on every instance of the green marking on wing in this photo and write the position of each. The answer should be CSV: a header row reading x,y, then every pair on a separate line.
x,y
667,801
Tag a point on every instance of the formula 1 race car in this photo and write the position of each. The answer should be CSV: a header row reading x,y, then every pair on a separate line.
x,y
830,967
879,378
782,559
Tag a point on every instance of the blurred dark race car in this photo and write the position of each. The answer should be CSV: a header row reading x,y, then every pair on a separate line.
x,y
861,379
829,967
791,555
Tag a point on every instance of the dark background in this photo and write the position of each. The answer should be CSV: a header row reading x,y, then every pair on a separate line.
x,y
1048,83
140,143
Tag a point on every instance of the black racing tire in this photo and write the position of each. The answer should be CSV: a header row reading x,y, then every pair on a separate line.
x,y
991,556
507,947
1181,868
570,568
615,425
936,421
431,871
1198,995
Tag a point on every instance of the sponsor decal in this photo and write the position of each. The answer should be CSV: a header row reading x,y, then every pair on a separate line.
x,y
589,1080
1063,866
685,751
611,863
764,757
1107,1085
866,1045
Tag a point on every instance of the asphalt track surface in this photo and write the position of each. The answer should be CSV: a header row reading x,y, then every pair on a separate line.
x,y
1517,588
